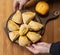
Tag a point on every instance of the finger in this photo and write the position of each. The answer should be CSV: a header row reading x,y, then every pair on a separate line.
x,y
20,7
30,48
41,43
22,3
34,45
16,5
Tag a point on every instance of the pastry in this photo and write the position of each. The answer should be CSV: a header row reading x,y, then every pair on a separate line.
x,y
23,41
34,37
35,25
17,17
12,26
23,29
28,16
13,35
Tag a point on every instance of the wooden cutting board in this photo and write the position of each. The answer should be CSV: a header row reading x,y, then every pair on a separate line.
x,y
52,33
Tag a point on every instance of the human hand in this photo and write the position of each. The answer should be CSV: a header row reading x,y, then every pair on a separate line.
x,y
41,47
18,3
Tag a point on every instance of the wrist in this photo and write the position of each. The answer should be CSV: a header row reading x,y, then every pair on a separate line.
x,y
49,46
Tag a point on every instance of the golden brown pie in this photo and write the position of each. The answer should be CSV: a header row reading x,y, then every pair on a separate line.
x,y
34,37
35,25
17,17
23,41
12,26
13,35
28,16
23,29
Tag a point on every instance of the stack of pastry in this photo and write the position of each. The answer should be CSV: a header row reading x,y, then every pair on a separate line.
x,y
23,28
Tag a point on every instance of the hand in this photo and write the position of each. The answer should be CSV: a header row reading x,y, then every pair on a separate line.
x,y
41,47
20,4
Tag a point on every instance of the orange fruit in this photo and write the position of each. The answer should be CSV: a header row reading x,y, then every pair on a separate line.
x,y
42,7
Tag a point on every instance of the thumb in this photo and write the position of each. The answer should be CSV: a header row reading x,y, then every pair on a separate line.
x,y
20,7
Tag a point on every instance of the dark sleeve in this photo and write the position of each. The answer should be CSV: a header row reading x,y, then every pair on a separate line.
x,y
55,49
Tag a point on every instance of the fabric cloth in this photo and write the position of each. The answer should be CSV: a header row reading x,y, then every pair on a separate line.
x,y
55,48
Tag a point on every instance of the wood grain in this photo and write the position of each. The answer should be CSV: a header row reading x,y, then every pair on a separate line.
x,y
52,33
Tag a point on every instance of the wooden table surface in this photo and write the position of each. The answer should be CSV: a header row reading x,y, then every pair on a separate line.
x,y
52,33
